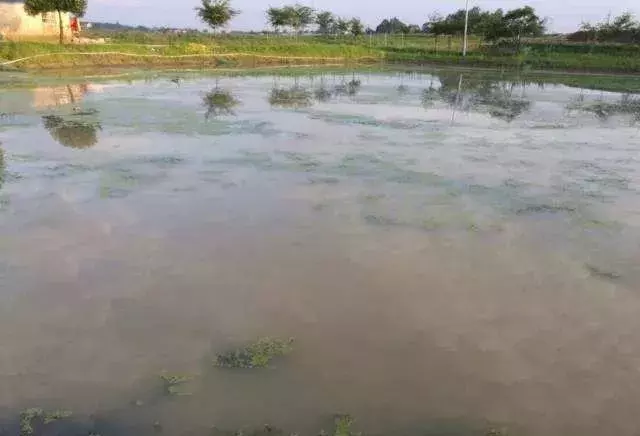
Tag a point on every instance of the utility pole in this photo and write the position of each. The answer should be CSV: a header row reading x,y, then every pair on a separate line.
x,y
466,28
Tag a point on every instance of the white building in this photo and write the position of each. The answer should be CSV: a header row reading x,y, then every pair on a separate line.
x,y
15,23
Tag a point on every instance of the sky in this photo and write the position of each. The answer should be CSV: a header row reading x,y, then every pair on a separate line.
x,y
563,15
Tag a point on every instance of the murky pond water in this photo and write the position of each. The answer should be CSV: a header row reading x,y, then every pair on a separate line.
x,y
448,251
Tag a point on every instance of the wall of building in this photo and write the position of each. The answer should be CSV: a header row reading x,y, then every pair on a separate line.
x,y
15,23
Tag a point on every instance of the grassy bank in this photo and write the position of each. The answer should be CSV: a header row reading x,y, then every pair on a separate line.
x,y
527,60
259,50
227,52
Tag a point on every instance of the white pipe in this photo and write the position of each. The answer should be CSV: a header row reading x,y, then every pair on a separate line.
x,y
466,28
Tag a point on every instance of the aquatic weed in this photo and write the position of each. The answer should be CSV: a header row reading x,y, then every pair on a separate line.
x,y
34,417
256,355
173,384
343,425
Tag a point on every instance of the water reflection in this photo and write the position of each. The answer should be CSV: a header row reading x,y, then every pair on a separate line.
x,y
2,167
497,98
219,102
323,94
47,97
72,133
603,110
112,257
345,88
350,88
294,97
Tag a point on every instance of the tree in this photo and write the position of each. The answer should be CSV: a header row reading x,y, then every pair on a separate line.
x,y
493,26
216,13
299,16
76,7
325,21
356,28
453,24
393,25
277,17
341,26
512,25
623,29
523,22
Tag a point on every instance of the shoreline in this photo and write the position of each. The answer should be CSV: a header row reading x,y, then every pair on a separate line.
x,y
33,56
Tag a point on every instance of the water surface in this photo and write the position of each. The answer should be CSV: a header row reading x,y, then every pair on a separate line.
x,y
448,250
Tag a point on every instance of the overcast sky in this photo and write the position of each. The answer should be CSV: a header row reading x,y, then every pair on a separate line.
x,y
564,15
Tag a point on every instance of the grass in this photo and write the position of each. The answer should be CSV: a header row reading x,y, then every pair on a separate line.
x,y
343,424
259,354
131,48
225,52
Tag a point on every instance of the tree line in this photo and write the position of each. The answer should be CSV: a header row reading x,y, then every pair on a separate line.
x,y
492,25
623,29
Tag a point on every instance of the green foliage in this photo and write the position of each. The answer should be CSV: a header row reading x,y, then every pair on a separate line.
x,y
277,18
494,25
293,97
393,25
33,419
325,21
297,17
76,7
216,13
623,28
174,384
256,355
219,102
35,7
341,26
72,133
453,24
356,28
343,424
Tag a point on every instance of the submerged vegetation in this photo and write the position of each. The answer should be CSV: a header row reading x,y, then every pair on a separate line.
x,y
256,355
219,102
175,384
32,420
293,97
343,425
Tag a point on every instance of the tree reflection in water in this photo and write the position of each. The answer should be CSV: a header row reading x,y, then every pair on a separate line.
x,y
219,102
293,97
345,88
72,133
479,94
2,167
627,105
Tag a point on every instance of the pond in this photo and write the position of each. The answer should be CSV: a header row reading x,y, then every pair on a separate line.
x,y
455,253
